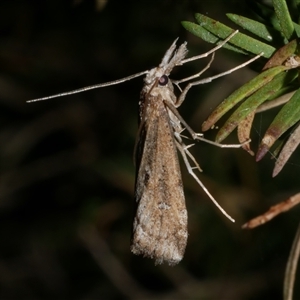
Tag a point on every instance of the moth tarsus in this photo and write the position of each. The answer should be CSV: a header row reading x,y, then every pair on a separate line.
x,y
160,223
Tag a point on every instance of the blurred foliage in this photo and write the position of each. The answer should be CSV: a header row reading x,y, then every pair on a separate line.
x,y
67,171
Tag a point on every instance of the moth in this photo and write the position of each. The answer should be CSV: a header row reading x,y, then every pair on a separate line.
x,y
160,224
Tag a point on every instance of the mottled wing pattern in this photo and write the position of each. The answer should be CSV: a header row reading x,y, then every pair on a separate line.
x,y
160,224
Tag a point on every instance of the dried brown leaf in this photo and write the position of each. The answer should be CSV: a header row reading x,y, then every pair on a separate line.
x,y
287,150
243,132
273,212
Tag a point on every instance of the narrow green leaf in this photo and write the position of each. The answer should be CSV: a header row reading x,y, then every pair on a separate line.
x,y
240,40
200,32
251,104
286,118
268,14
205,35
255,27
285,20
241,93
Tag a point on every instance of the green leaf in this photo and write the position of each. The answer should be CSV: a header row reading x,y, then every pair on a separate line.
x,y
255,27
240,40
241,93
285,20
205,35
251,104
286,118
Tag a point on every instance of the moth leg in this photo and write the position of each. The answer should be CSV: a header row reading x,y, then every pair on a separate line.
x,y
199,136
177,82
192,157
186,147
182,96
184,152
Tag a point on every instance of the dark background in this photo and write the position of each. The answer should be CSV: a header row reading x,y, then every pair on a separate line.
x,y
67,173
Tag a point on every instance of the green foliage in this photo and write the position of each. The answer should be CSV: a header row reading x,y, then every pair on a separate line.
x,y
274,84
276,27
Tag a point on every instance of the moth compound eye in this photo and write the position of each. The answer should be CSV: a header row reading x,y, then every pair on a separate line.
x,y
163,80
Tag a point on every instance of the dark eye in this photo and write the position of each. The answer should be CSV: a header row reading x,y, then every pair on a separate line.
x,y
163,80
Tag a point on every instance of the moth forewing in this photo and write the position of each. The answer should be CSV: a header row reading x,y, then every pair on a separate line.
x,y
160,223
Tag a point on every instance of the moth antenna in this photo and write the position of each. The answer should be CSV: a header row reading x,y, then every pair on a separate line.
x,y
91,87
220,45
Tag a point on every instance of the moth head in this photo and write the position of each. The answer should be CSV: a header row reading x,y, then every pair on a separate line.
x,y
154,74
172,58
